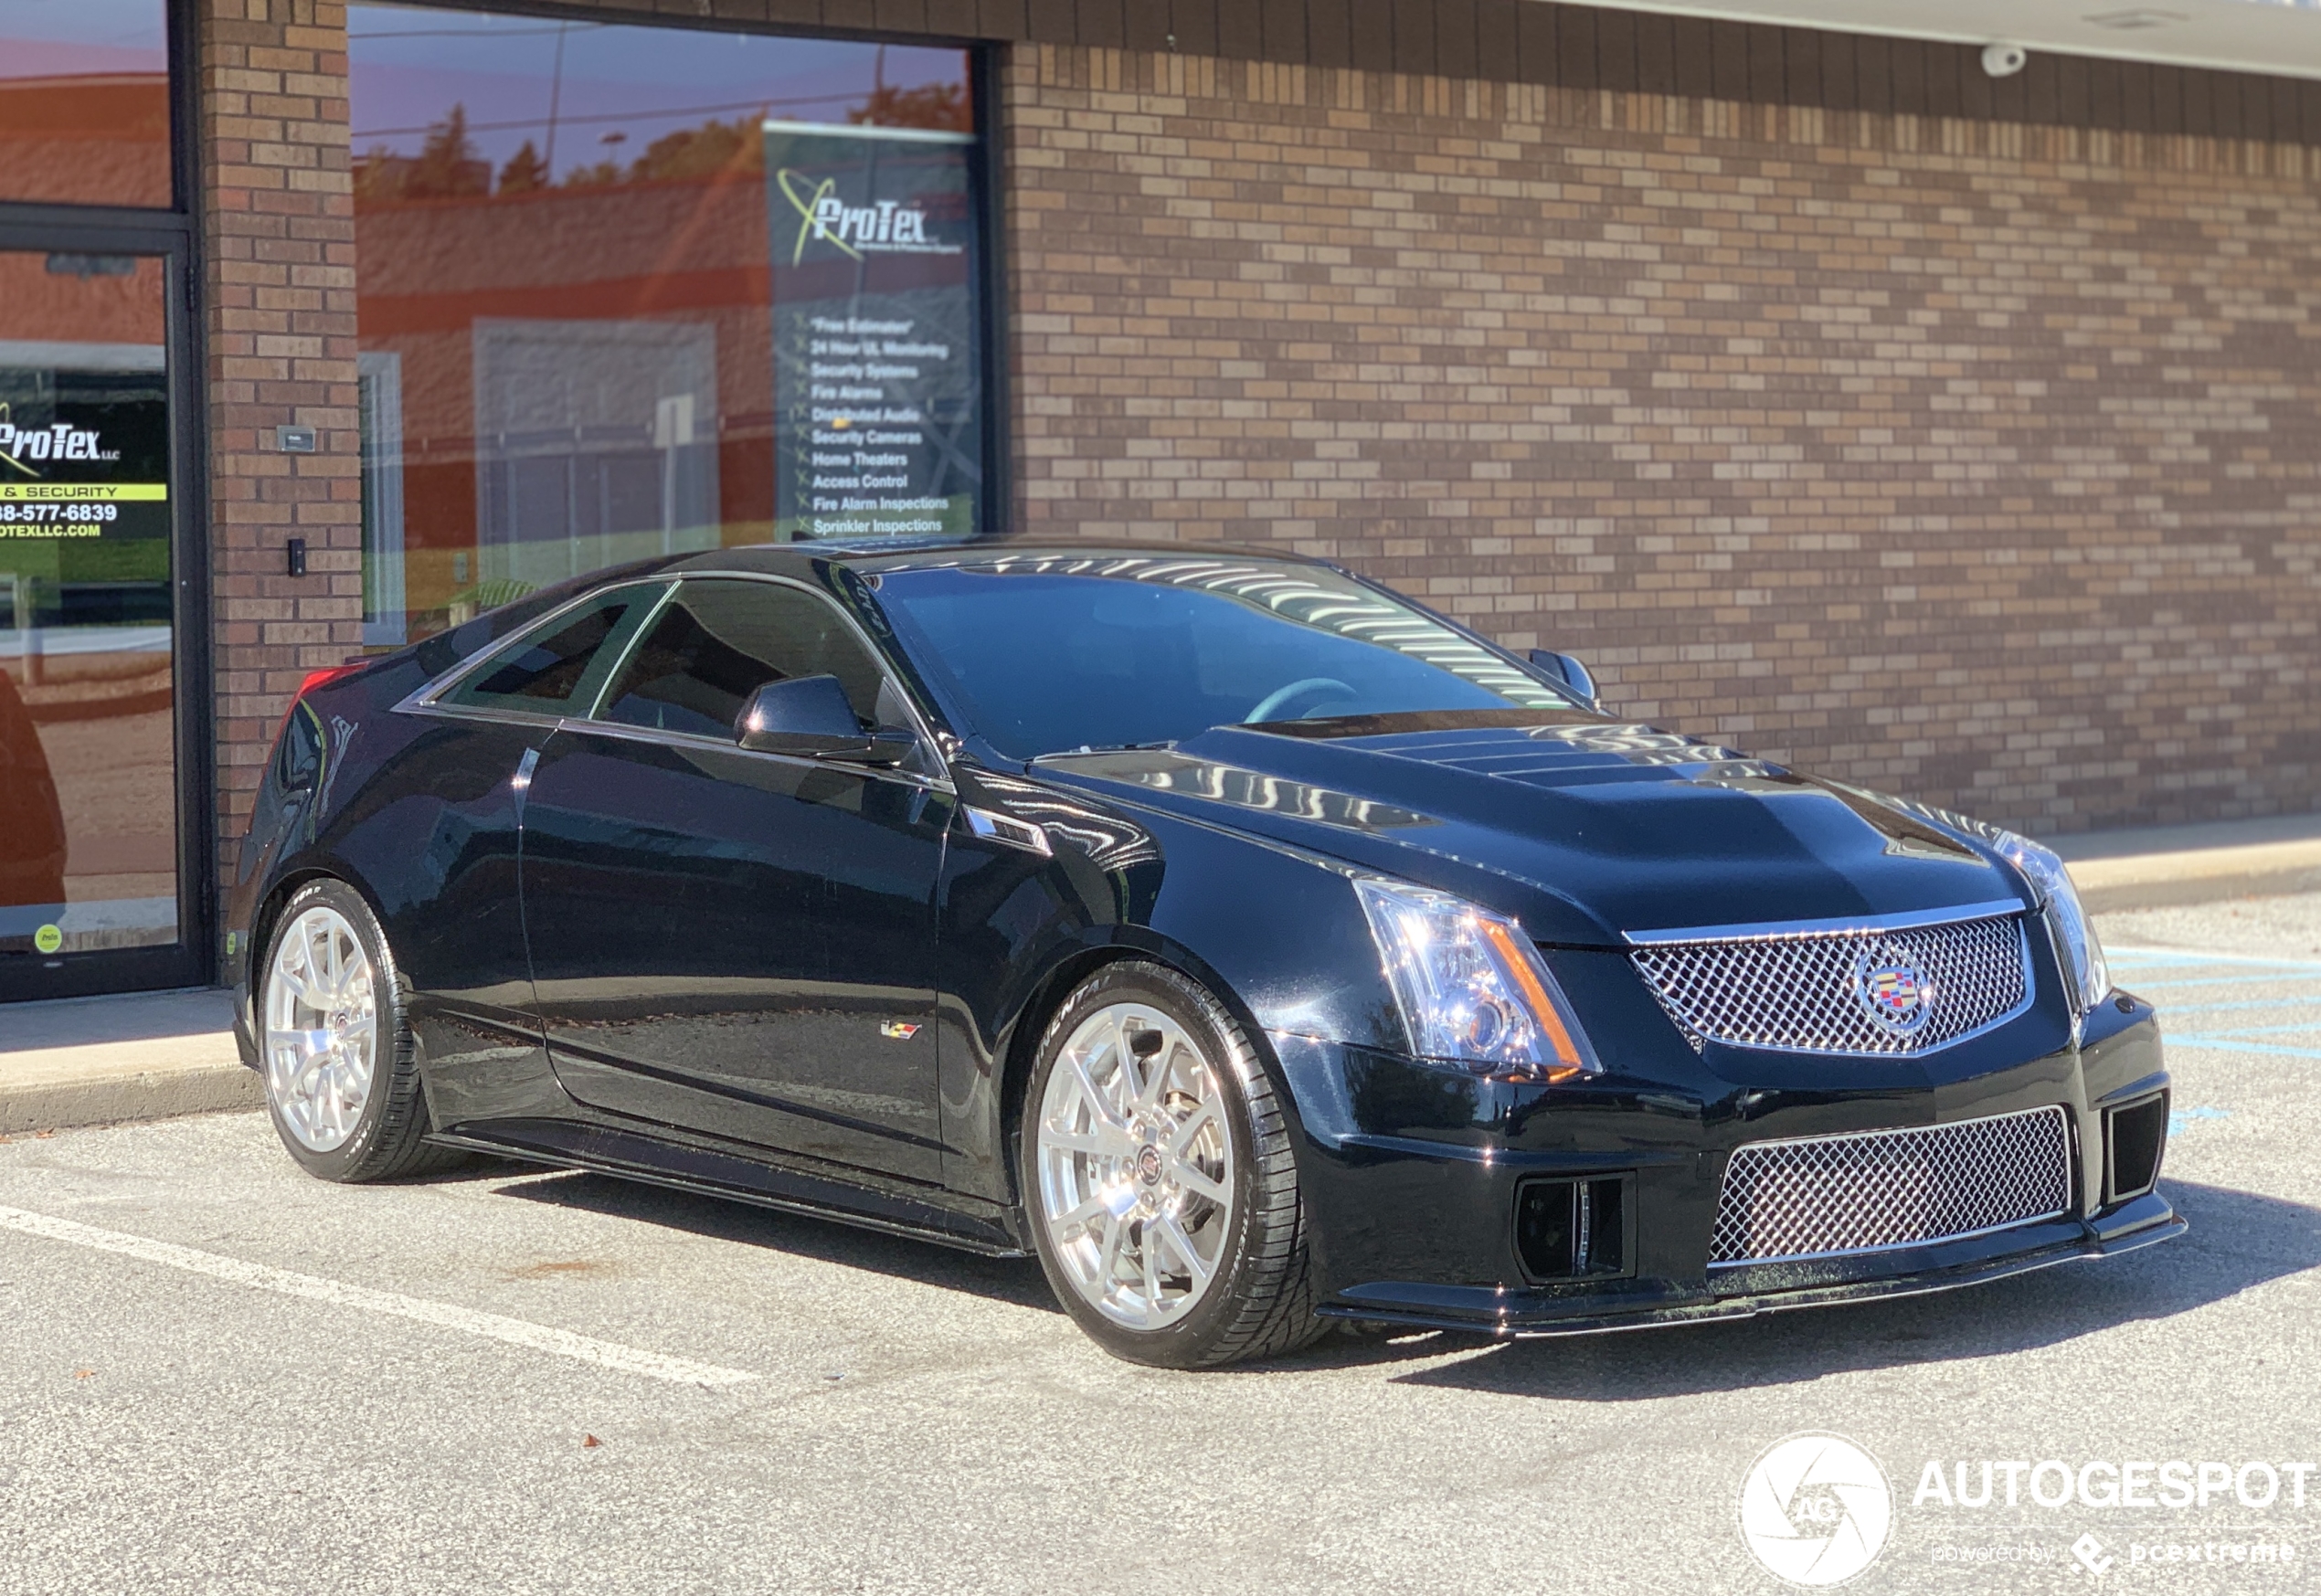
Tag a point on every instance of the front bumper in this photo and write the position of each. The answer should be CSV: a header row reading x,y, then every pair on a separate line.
x,y
1905,1271
1412,1178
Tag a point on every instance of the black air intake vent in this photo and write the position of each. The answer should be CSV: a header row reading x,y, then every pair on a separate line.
x,y
1573,1229
2133,1140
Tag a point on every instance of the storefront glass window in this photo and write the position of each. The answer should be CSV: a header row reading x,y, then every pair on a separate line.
x,y
84,102
626,290
88,758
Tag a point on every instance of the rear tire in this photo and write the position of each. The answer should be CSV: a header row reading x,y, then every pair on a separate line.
x,y
335,1047
1158,1177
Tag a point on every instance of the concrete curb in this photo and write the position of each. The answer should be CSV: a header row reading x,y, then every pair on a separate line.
x,y
104,1061
2204,875
2215,889
114,1099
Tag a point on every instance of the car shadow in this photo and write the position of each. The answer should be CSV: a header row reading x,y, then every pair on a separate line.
x,y
1017,1281
2238,1240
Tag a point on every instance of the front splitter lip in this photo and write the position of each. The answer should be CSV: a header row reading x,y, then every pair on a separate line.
x,y
2143,1223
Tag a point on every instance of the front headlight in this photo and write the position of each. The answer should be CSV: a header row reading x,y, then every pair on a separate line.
x,y
2075,944
1471,987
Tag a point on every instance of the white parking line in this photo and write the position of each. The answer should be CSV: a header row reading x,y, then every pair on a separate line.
x,y
564,1343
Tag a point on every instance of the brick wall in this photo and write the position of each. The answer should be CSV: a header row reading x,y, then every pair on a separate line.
x,y
1974,459
278,238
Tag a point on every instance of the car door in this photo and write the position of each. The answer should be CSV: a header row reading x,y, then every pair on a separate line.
x,y
447,815
735,943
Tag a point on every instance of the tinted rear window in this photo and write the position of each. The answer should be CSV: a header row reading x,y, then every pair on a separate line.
x,y
556,668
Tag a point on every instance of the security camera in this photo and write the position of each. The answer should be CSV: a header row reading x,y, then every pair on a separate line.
x,y
2004,61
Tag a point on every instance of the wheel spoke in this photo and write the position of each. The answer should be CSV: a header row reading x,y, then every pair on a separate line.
x,y
1116,1230
295,977
1097,1106
1081,1215
1191,1127
1193,1178
1182,1245
1094,1145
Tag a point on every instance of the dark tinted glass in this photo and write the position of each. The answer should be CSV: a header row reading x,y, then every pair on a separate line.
x,y
1049,655
556,668
717,642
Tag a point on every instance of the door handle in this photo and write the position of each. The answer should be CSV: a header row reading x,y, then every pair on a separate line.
x,y
520,784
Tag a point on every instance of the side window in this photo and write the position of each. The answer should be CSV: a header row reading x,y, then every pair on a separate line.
x,y
716,642
556,668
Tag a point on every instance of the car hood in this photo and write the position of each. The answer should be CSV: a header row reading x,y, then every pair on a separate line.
x,y
1585,827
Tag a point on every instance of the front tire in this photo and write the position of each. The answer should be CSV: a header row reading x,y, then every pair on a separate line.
x,y
1159,1179
342,1077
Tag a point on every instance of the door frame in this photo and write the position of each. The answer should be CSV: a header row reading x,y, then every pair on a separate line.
x,y
192,960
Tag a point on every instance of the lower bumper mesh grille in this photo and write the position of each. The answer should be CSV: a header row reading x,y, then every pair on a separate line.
x,y
1821,1195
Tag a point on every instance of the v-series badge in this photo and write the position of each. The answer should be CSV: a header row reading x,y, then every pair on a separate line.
x,y
896,1030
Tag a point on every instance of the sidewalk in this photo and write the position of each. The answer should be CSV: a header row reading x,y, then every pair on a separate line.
x,y
92,1060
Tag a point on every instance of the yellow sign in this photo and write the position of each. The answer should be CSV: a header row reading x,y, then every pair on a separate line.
x,y
99,492
48,938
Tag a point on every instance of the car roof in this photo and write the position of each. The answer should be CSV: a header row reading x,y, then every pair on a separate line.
x,y
876,555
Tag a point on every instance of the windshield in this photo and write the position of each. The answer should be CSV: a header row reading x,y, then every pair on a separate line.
x,y
1050,654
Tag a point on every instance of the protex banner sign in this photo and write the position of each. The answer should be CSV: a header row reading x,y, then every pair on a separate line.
x,y
878,417
83,456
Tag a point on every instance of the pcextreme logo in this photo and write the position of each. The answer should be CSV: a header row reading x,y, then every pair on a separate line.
x,y
1816,1510
22,447
885,227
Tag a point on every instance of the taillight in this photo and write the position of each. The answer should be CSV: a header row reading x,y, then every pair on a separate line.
x,y
314,678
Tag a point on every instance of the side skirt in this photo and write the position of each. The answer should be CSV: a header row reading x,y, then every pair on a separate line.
x,y
682,1168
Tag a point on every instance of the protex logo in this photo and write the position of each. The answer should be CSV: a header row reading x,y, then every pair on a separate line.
x,y
25,446
883,227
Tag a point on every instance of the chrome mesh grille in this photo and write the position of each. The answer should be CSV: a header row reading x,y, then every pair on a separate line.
x,y
1860,1193
1802,992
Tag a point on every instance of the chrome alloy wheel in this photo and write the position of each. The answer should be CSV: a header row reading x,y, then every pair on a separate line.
x,y
1135,1162
321,1029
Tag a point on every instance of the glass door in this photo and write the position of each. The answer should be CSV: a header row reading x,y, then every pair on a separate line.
x,y
94,862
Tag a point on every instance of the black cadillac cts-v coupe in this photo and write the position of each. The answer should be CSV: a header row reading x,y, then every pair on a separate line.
x,y
1255,947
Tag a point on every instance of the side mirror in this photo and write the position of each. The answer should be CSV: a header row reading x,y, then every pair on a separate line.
x,y
1568,670
808,716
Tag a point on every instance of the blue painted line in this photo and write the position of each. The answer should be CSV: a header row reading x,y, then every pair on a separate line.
x,y
2185,955
2267,1029
2251,1003
2168,984
2224,1044
2181,1119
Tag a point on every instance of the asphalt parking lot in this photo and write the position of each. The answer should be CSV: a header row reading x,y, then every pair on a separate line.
x,y
221,1374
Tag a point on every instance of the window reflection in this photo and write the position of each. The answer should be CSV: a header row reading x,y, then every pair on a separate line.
x,y
84,102
88,757
568,340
